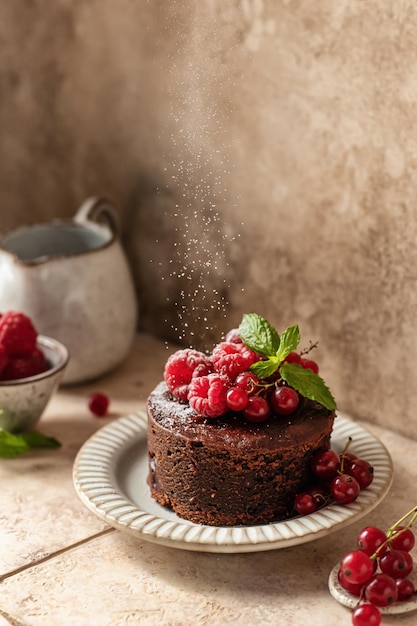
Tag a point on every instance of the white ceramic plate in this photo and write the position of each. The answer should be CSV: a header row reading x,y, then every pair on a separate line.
x,y
110,474
351,601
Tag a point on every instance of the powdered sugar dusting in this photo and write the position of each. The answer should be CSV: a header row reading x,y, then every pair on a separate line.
x,y
196,171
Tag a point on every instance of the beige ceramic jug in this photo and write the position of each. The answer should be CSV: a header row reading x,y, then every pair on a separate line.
x,y
72,278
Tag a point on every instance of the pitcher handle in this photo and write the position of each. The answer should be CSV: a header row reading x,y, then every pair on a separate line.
x,y
98,210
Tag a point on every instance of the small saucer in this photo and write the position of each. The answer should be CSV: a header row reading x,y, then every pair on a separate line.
x,y
351,601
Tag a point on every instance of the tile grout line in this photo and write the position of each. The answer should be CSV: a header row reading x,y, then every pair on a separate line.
x,y
11,620
52,555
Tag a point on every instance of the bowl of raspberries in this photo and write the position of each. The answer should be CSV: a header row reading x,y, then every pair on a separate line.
x,y
31,368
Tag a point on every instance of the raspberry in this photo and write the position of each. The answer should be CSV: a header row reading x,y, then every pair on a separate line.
x,y
24,366
3,357
207,395
98,403
181,367
17,334
233,336
232,359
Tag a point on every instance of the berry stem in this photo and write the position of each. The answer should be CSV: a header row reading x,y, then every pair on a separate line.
x,y
412,512
342,456
264,386
391,529
309,349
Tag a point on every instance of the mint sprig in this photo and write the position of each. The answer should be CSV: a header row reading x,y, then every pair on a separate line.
x,y
290,339
12,444
258,334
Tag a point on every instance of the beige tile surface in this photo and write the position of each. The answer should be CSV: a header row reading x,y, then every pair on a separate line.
x,y
59,565
39,510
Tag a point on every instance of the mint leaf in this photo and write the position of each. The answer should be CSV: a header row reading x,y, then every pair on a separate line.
x,y
263,369
290,339
261,337
37,440
308,384
258,334
11,445
14,444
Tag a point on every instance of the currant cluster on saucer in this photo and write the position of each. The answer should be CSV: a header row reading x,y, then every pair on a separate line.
x,y
378,571
339,478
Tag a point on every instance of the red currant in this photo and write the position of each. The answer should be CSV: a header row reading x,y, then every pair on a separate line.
x,y
381,590
305,503
405,588
370,539
257,409
344,489
366,615
320,495
396,563
237,399
357,567
354,589
98,403
308,364
284,400
293,357
247,381
378,571
361,470
402,539
325,464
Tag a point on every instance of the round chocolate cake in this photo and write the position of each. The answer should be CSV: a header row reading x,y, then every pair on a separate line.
x,y
227,471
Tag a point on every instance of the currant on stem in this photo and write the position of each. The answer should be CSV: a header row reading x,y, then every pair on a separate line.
x,y
284,400
361,470
305,503
370,539
402,538
366,615
357,567
257,409
396,563
237,399
344,489
381,590
405,588
377,572
325,464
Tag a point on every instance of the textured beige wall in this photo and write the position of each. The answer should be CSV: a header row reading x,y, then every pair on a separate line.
x,y
262,154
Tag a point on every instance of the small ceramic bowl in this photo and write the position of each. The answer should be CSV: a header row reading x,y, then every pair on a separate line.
x,y
23,401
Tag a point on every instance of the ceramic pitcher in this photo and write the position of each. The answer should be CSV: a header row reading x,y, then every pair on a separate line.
x,y
73,279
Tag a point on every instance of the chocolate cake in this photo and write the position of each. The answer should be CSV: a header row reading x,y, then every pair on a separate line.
x,y
227,471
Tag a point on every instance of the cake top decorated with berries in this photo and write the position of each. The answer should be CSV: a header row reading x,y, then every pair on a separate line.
x,y
254,373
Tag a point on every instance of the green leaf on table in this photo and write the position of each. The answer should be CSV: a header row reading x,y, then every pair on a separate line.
x,y
37,440
12,444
